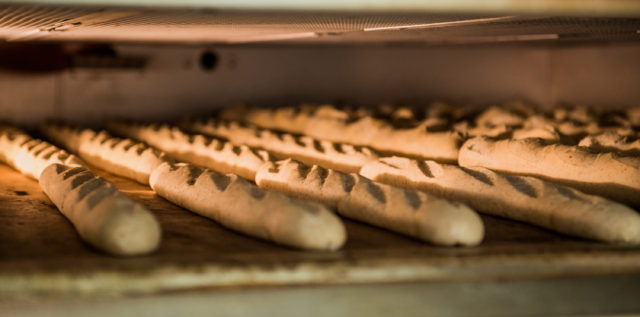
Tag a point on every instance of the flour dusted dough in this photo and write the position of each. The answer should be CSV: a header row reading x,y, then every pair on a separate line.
x,y
214,153
236,204
408,212
339,156
604,174
125,157
103,216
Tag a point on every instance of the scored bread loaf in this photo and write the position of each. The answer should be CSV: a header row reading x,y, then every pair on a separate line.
x,y
408,212
339,156
329,123
236,204
332,194
30,156
611,141
102,216
605,174
216,154
522,198
125,157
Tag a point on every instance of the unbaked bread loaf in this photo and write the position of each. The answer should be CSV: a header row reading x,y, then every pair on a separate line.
x,y
408,212
214,153
103,216
339,156
522,198
604,174
236,204
30,156
125,157
611,141
329,123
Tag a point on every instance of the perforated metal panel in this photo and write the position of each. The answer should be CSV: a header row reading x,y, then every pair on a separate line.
x,y
64,23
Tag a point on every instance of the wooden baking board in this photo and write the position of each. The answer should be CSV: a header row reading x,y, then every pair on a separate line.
x,y
41,255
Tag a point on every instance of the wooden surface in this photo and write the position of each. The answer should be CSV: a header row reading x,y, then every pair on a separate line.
x,y
41,255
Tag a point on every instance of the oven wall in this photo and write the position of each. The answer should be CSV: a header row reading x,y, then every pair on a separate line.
x,y
174,82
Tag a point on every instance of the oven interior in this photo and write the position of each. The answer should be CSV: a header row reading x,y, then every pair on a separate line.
x,y
85,63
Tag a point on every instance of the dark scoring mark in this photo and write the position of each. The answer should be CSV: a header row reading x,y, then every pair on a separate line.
x,y
99,196
90,186
567,192
374,190
256,192
73,171
40,151
521,185
236,149
278,135
424,168
81,179
172,166
255,152
357,148
32,146
338,147
207,141
477,175
141,148
275,168
194,173
348,181
61,168
26,141
11,136
50,153
129,144
220,180
318,146
105,138
219,145
20,193
115,143
298,140
303,170
191,138
389,164
412,199
62,155
323,173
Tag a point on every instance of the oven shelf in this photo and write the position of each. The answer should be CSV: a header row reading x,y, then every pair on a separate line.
x,y
41,255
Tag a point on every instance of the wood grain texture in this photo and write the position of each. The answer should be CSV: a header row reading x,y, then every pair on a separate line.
x,y
41,255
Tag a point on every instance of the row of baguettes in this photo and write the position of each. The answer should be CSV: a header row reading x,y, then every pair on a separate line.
x,y
436,132
226,198
404,211
516,139
521,198
103,216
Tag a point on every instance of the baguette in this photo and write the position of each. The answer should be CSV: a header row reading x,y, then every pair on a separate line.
x,y
236,204
339,156
605,174
30,156
611,141
521,198
214,153
102,216
415,214
124,157
329,123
